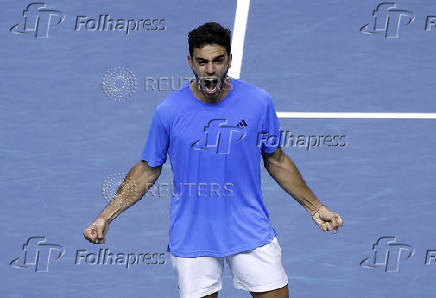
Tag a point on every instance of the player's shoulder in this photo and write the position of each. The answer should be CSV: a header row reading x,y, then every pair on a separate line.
x,y
255,93
173,102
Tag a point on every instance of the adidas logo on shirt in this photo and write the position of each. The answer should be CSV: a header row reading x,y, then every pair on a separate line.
x,y
242,123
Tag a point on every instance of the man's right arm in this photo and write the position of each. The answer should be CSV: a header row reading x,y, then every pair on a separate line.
x,y
139,179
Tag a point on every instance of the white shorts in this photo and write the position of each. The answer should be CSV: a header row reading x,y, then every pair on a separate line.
x,y
257,270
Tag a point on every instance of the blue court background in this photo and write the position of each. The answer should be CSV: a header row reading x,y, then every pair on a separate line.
x,y
61,137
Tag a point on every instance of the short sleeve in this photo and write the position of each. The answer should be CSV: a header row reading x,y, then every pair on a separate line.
x,y
270,129
156,146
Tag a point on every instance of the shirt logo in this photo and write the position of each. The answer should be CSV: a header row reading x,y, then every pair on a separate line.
x,y
218,135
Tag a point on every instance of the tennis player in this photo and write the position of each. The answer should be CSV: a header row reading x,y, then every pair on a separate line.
x,y
210,129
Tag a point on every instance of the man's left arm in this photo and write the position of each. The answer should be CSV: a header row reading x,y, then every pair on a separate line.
x,y
285,173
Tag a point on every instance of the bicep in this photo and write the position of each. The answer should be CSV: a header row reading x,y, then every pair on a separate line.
x,y
142,173
151,170
273,159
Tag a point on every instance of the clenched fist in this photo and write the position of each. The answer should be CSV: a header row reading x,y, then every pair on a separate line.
x,y
327,220
96,231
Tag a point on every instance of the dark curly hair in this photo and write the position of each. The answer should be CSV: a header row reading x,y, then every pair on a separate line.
x,y
209,33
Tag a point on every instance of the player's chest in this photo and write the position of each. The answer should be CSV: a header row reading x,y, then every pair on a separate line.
x,y
217,131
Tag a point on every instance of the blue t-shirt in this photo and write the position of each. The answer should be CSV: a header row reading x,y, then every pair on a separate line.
x,y
215,153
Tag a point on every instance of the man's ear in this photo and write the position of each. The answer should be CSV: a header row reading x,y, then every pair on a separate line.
x,y
230,60
190,61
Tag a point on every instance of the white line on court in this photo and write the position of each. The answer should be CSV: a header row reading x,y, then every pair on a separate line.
x,y
332,115
238,37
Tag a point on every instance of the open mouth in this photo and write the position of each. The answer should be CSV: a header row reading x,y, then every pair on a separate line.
x,y
210,85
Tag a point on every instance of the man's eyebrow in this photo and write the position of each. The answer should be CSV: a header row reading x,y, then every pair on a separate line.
x,y
214,59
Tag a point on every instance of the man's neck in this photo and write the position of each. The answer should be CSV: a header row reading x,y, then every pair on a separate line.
x,y
223,92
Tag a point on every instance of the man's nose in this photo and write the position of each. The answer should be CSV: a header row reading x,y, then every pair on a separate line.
x,y
210,68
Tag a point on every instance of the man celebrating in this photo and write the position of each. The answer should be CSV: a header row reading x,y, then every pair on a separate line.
x,y
210,130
